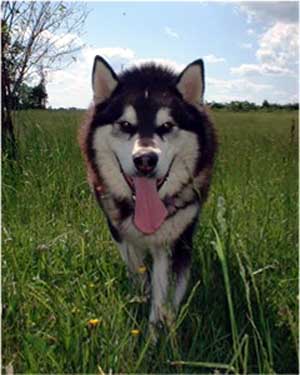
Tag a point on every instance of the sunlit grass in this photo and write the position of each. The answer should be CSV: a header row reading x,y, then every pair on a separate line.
x,y
68,306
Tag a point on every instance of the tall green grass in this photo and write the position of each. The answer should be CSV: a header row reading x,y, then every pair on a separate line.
x,y
60,268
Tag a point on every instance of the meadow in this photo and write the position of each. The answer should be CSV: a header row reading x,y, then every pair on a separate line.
x,y
68,306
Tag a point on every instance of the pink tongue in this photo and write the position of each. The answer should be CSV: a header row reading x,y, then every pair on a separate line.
x,y
150,212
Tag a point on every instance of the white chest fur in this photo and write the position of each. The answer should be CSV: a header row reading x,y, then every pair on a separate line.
x,y
169,231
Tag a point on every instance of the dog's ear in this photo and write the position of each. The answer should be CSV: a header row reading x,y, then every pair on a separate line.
x,y
190,83
104,80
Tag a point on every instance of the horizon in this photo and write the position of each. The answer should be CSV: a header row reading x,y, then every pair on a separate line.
x,y
207,103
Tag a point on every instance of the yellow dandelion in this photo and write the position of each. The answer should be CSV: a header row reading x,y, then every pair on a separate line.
x,y
135,332
93,323
142,269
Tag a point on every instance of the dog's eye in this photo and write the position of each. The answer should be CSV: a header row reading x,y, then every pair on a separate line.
x,y
126,127
166,127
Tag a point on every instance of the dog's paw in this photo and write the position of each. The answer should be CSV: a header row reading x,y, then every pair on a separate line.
x,y
161,321
166,315
155,331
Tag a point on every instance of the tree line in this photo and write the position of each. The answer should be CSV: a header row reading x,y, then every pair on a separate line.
x,y
245,106
233,106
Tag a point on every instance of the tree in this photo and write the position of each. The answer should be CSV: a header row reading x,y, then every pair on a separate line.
x,y
265,104
34,34
23,100
31,97
39,96
38,93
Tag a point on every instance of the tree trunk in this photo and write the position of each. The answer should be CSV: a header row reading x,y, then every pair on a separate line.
x,y
9,146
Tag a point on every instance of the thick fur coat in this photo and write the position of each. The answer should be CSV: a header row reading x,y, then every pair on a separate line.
x,y
149,148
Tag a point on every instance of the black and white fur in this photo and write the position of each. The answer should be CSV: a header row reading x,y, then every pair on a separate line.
x,y
166,116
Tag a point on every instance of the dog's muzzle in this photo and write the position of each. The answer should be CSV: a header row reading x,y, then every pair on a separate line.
x,y
145,162
145,156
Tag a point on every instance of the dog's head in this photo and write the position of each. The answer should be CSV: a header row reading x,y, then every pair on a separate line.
x,y
148,136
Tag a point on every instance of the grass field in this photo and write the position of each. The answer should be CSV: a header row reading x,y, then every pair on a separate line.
x,y
60,268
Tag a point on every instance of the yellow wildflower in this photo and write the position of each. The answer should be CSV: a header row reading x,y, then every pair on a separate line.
x,y
142,269
93,322
135,332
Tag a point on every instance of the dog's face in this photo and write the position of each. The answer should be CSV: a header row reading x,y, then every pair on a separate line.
x,y
145,127
144,140
147,135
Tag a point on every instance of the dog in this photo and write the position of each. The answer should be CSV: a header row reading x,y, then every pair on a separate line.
x,y
149,148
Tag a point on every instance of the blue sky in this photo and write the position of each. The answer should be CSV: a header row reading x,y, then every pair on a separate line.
x,y
250,49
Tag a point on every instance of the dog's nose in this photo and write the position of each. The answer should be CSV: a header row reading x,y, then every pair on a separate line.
x,y
146,162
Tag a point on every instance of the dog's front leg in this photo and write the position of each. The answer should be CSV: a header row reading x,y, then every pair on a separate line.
x,y
161,307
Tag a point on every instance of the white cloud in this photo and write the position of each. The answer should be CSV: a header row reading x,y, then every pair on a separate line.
x,y
237,85
294,98
263,69
117,57
277,53
243,89
62,40
279,44
71,87
212,59
170,32
250,32
112,52
247,45
273,11
160,61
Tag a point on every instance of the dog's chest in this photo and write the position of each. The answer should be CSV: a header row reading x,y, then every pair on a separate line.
x,y
166,235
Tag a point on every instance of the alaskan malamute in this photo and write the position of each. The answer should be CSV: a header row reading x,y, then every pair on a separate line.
x,y
149,149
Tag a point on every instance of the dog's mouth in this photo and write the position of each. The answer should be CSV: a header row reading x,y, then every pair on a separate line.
x,y
131,184
130,179
149,210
